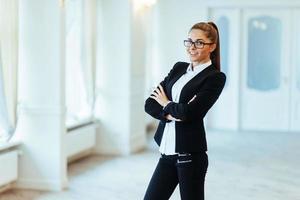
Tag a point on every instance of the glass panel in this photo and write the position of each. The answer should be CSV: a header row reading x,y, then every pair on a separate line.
x,y
264,53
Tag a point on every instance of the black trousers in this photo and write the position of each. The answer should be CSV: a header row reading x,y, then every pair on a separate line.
x,y
188,170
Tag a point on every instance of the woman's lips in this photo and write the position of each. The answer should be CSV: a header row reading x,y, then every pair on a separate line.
x,y
193,54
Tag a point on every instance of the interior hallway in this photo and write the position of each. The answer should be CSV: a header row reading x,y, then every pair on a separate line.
x,y
242,166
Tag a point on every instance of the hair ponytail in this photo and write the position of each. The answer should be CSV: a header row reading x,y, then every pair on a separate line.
x,y
215,55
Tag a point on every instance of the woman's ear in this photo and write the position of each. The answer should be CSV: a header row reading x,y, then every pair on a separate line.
x,y
212,47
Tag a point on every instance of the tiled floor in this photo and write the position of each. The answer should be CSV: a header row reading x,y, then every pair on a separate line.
x,y
242,166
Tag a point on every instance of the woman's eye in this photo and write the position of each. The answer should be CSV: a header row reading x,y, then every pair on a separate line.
x,y
199,43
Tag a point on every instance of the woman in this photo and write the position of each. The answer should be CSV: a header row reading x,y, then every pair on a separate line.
x,y
180,102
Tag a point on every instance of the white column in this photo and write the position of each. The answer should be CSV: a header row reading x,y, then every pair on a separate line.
x,y
41,123
121,79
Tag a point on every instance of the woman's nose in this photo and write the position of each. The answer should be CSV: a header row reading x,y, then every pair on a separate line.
x,y
192,47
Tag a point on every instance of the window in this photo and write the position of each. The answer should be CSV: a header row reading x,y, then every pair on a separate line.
x,y
264,53
4,123
8,67
78,99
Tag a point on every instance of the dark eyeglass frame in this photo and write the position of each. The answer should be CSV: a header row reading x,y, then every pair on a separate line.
x,y
189,43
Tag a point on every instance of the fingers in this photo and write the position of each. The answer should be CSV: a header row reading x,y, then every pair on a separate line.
x,y
157,91
192,99
152,97
159,95
170,117
154,94
161,90
175,119
156,98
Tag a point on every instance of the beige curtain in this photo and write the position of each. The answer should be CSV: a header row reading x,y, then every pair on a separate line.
x,y
8,63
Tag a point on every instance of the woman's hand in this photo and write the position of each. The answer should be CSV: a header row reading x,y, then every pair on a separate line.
x,y
160,96
170,117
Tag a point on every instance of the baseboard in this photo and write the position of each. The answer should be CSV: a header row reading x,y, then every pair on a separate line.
x,y
80,155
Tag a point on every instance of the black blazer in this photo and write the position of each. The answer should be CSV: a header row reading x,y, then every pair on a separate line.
x,y
190,132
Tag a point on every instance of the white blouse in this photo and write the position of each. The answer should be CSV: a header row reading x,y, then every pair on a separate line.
x,y
167,145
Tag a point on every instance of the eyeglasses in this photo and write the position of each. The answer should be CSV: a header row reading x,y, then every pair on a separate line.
x,y
198,44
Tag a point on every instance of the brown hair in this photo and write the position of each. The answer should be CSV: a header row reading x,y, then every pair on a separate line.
x,y
211,31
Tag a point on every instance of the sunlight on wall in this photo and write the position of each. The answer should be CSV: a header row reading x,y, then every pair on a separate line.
x,y
141,5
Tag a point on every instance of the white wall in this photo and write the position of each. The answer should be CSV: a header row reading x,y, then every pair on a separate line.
x,y
173,19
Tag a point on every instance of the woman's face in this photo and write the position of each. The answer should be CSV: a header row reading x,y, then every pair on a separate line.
x,y
197,54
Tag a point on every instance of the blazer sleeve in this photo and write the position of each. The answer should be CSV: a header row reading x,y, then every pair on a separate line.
x,y
152,107
204,100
